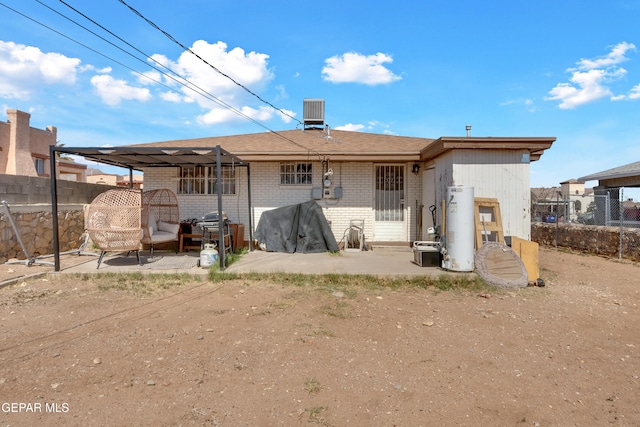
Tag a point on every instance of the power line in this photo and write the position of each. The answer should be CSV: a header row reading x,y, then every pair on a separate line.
x,y
173,39
218,100
73,40
189,85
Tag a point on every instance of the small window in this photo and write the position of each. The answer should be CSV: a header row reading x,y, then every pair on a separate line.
x,y
39,166
202,180
191,180
228,177
292,173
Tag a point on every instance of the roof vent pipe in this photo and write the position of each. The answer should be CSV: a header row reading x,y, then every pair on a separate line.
x,y
468,128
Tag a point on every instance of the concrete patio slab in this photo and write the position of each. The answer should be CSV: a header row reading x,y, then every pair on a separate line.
x,y
395,261
379,262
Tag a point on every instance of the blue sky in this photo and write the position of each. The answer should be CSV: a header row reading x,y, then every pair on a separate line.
x,y
568,69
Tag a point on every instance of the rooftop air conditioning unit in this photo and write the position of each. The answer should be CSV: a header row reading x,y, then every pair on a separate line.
x,y
313,112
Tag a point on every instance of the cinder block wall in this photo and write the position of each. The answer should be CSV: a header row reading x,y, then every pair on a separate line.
x,y
29,200
31,190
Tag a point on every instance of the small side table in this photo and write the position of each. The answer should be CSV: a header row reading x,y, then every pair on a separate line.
x,y
191,244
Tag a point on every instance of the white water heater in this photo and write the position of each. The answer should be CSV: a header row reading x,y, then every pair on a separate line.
x,y
460,229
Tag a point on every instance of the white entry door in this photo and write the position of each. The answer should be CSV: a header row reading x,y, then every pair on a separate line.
x,y
389,203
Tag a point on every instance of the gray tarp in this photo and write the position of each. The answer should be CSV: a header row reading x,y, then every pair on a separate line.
x,y
296,228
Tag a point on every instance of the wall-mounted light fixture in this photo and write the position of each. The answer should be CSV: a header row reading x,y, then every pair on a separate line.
x,y
415,169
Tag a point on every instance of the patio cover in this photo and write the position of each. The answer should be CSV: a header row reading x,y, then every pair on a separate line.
x,y
621,176
139,158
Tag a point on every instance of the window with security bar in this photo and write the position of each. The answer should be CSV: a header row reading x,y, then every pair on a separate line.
x,y
202,180
293,173
227,178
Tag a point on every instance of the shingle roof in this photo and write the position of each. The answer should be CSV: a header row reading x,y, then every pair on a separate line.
x,y
348,145
310,142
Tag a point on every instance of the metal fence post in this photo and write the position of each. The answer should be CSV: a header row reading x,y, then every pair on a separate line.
x,y
557,218
621,213
607,210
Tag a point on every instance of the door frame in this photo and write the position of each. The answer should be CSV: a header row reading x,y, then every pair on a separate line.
x,y
386,230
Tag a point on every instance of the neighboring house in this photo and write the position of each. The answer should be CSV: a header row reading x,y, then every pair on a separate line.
x,y
391,182
610,184
576,198
569,202
95,176
25,150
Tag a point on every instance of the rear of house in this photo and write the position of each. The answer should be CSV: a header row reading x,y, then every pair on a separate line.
x,y
394,184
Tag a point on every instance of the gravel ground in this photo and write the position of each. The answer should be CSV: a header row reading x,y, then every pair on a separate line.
x,y
250,353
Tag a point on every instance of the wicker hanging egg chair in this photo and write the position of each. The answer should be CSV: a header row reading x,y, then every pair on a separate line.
x,y
160,217
113,221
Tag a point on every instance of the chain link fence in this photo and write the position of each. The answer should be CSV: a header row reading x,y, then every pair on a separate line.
x,y
608,208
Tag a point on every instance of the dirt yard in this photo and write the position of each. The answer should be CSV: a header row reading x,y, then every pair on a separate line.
x,y
245,353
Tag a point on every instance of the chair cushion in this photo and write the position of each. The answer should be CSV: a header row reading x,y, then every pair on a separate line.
x,y
168,227
163,236
153,225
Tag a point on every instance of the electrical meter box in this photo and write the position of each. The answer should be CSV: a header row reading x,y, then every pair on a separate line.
x,y
332,193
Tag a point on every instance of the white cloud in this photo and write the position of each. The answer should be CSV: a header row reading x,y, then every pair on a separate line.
x,y
249,69
113,91
222,115
589,80
616,56
24,69
357,68
635,92
528,104
171,96
351,127
149,78
376,124
286,115
282,92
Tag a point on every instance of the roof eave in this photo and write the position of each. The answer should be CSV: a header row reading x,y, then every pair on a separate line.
x,y
536,145
347,156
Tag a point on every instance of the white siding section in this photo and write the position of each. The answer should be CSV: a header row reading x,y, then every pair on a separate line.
x,y
500,174
443,178
428,199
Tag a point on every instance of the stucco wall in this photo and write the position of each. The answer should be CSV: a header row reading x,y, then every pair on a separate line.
x,y
22,143
4,145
